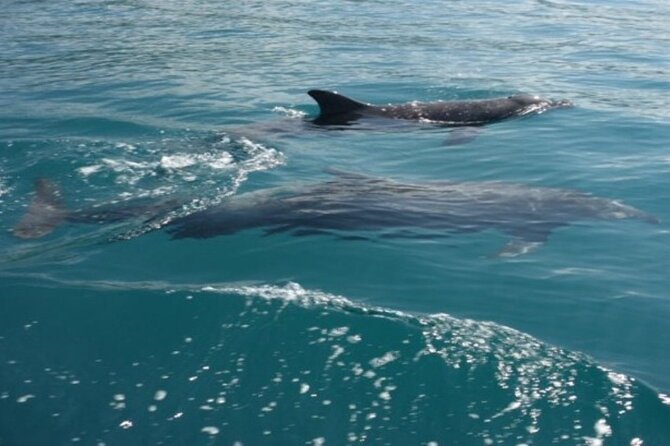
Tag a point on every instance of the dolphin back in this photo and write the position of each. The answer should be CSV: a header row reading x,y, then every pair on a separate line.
x,y
45,212
331,103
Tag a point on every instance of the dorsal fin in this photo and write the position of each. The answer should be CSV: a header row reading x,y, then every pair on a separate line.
x,y
45,212
332,103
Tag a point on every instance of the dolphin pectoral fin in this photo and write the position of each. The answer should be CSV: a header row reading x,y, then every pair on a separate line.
x,y
45,212
462,135
331,103
527,239
518,247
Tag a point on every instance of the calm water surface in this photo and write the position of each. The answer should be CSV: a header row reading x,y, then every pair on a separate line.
x,y
115,334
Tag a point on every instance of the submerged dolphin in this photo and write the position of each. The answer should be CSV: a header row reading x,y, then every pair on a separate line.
x,y
336,109
354,202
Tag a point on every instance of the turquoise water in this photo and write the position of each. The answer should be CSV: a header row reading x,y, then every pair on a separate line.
x,y
115,334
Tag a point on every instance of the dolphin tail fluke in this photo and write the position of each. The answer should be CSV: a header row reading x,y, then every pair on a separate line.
x,y
45,212
331,103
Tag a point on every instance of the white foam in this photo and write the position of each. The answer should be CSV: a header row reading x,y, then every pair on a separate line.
x,y
602,428
24,398
618,378
177,161
210,430
340,331
260,158
126,146
337,351
125,165
385,395
222,161
160,395
291,292
213,160
89,170
290,112
384,359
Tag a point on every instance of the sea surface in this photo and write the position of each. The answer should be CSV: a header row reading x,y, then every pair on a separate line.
x,y
117,334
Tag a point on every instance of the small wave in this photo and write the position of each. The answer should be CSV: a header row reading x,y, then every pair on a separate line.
x,y
533,373
394,374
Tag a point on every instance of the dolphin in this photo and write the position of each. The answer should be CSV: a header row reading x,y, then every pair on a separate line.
x,y
336,109
463,118
354,206
357,202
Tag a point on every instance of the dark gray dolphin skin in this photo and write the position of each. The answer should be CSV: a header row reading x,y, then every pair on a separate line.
x,y
336,109
377,206
355,202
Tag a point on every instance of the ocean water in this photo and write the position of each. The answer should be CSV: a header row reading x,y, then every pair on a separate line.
x,y
116,334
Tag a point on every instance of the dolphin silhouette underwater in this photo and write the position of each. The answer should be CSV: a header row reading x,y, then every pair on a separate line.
x,y
336,109
354,202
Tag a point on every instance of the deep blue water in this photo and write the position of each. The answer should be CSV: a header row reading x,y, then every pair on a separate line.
x,y
115,334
